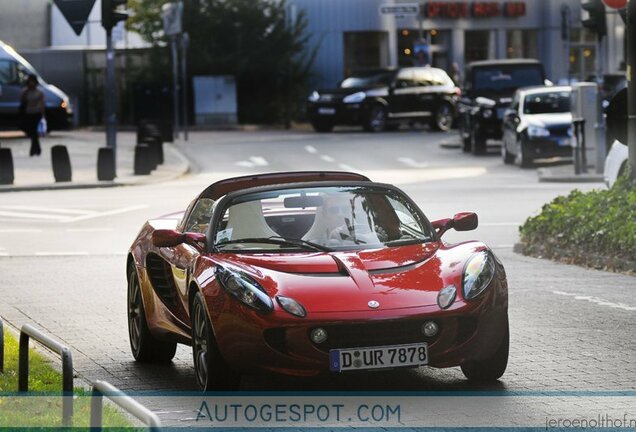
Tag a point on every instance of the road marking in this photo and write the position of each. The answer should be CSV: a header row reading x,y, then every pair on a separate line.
x,y
327,158
84,230
311,149
410,162
48,209
106,213
347,167
33,216
45,254
19,231
4,254
596,300
253,161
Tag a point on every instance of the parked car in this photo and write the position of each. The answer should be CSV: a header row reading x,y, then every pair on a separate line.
x,y
382,99
615,163
14,70
314,272
537,125
488,90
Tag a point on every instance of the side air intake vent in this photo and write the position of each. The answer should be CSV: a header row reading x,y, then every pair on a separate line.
x,y
161,278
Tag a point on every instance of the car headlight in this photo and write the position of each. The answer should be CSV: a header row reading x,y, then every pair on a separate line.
x,y
478,274
487,113
355,98
537,131
314,96
244,289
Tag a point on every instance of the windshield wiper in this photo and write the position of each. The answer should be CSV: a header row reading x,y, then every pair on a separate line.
x,y
276,240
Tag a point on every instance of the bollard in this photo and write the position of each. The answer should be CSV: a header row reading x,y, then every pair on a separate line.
x,y
105,164
142,160
6,167
156,146
61,163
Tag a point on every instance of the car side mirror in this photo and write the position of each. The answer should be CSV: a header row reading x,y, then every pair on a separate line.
x,y
466,221
172,238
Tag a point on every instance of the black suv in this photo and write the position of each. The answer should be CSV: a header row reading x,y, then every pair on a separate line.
x,y
488,90
381,99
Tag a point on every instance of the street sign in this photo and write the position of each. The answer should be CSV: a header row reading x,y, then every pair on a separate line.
x,y
403,9
76,12
171,14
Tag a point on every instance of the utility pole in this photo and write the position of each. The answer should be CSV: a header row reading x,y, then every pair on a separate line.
x,y
171,14
185,42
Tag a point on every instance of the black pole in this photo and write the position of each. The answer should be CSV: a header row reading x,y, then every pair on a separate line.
x,y
631,85
110,97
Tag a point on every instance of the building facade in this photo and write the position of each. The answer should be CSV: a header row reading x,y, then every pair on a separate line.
x,y
356,34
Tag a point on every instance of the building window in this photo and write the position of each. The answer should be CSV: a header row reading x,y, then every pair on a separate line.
x,y
477,44
521,44
439,46
365,50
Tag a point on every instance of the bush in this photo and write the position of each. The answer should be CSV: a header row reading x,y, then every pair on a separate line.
x,y
596,228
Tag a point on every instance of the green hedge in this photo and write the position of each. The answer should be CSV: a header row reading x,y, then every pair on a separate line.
x,y
596,228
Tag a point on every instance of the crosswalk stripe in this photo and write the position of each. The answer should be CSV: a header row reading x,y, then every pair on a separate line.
x,y
33,215
48,209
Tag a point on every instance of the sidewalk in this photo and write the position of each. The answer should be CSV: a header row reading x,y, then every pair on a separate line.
x,y
36,173
565,174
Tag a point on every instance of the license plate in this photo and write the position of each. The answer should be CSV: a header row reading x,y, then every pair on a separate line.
x,y
378,357
326,111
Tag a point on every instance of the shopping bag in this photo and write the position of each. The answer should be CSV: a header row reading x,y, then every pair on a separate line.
x,y
42,127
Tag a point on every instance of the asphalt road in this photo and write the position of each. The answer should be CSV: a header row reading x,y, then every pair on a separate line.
x,y
62,261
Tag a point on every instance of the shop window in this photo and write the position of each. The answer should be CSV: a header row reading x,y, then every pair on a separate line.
x,y
439,41
477,43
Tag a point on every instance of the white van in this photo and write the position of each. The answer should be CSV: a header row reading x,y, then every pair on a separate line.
x,y
14,70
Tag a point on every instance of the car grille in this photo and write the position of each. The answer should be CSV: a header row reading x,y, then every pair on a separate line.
x,y
374,334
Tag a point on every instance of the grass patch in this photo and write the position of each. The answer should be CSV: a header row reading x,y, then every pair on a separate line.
x,y
44,408
597,228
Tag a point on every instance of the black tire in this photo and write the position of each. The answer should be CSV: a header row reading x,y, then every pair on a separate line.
x,y
211,370
477,143
508,158
144,346
443,118
523,157
322,126
376,120
490,369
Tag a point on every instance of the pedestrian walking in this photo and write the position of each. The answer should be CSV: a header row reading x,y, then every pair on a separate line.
x,y
456,74
32,113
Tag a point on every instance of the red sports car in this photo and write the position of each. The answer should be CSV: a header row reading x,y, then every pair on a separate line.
x,y
314,272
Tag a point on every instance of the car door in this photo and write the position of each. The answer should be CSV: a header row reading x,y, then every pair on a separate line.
x,y
401,99
424,96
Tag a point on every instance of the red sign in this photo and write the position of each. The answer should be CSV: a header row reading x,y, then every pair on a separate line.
x,y
478,9
616,4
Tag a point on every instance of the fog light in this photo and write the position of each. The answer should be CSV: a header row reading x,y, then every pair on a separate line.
x,y
430,328
318,335
446,296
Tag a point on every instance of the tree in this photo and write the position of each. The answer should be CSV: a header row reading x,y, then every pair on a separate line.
x,y
253,40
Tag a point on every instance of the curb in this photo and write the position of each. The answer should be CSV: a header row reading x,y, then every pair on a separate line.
x,y
140,181
547,176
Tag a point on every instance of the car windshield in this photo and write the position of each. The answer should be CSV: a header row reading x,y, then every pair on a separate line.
x,y
506,78
547,103
321,219
369,79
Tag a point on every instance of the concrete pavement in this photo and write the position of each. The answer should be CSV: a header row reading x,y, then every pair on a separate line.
x,y
36,172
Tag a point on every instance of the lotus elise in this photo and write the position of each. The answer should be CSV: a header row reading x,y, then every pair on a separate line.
x,y
306,273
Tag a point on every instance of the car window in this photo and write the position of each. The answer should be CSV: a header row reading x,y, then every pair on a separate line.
x,y
339,218
547,103
405,78
368,79
199,219
424,77
8,73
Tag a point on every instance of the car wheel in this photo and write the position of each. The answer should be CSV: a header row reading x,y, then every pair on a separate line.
x,y
210,368
376,121
322,126
490,369
144,346
523,157
443,118
508,158
477,143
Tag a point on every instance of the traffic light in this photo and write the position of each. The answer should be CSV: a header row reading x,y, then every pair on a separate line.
x,y
593,16
112,13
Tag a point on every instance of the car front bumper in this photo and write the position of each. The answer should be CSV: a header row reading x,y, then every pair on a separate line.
x,y
547,147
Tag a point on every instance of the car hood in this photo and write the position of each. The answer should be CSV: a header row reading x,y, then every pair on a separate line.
x,y
397,278
548,120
